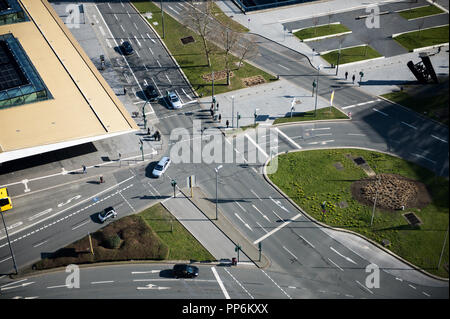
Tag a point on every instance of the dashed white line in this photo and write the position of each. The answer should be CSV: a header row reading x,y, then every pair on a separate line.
x,y
41,243
264,216
284,67
173,10
364,287
307,241
425,158
238,283
78,226
426,294
246,225
219,281
438,138
168,78
135,26
409,125
290,252
276,284
261,227
278,216
61,286
335,264
412,286
255,195
102,282
356,134
380,112
122,28
240,206
257,146
150,51
345,257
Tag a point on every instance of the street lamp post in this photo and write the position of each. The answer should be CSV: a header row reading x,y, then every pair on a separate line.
x,y
375,201
162,16
232,111
317,89
217,184
141,146
338,58
9,243
213,99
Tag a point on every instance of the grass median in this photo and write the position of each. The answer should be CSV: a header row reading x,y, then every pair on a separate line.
x,y
321,31
350,55
192,59
420,12
312,177
423,38
153,234
325,113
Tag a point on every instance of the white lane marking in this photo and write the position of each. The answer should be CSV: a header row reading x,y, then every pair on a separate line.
x,y
179,96
438,138
126,201
108,43
279,204
148,36
19,286
320,129
277,229
276,284
278,216
5,259
380,112
145,272
238,283
255,195
78,226
137,53
426,294
173,10
425,158
168,78
409,125
157,61
284,67
325,134
307,241
182,89
240,206
325,142
69,200
135,26
145,82
61,286
122,4
290,252
151,286
41,243
150,50
129,16
364,287
102,282
139,43
122,28
219,281
345,257
101,30
109,5
246,225
257,146
360,104
12,283
335,264
356,134
264,216
399,279
173,279
288,138
412,286
14,225
261,227
115,16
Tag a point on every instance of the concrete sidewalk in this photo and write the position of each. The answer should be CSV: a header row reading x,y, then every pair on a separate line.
x,y
206,231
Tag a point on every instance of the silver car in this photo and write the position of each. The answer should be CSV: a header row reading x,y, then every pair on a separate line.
x,y
174,100
161,167
106,214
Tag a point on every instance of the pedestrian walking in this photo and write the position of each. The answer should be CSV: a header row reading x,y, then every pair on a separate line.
x,y
220,117
212,107
84,169
148,131
228,123
124,90
217,106
346,75
353,78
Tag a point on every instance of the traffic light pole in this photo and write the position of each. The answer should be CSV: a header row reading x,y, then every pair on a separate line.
x,y
9,243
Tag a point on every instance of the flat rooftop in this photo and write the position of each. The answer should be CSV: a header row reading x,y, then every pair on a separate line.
x,y
82,107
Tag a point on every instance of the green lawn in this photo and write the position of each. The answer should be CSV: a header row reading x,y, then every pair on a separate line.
x,y
310,177
420,12
423,38
435,107
322,114
320,31
351,55
225,20
182,245
192,59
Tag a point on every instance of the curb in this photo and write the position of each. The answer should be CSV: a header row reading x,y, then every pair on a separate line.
x,y
345,230
334,35
165,47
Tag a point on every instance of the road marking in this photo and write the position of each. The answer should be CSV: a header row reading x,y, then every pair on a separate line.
x,y
426,294
14,282
288,138
360,104
69,200
157,61
135,26
139,43
335,264
101,30
412,286
238,283
257,146
151,39
240,206
246,225
19,286
277,229
178,14
255,195
41,243
168,78
347,258
276,284
78,226
421,156
279,204
261,227
264,216
325,142
380,112
108,43
102,282
356,134
115,16
109,5
61,286
307,241
290,252
151,286
137,53
126,201
438,138
320,129
284,67
278,216
399,279
150,50
325,134
364,287
219,281
409,125
122,28
145,272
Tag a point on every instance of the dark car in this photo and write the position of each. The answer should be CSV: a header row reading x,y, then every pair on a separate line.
x,y
151,92
127,48
185,271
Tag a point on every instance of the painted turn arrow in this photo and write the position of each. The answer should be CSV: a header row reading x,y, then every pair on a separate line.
x,y
152,286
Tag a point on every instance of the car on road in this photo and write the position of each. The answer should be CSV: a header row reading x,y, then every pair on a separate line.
x,y
174,100
106,214
161,167
151,92
127,49
185,271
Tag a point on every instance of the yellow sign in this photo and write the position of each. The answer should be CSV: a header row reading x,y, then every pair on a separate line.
x,y
5,200
332,97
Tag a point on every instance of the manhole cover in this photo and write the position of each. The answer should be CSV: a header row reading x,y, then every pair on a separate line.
x,y
359,161
187,40
412,219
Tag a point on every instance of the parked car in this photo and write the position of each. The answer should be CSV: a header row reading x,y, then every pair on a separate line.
x,y
161,167
151,92
174,100
185,271
106,214
127,49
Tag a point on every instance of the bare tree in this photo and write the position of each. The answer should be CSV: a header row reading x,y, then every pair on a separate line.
x,y
246,48
420,24
229,40
315,21
199,17
330,17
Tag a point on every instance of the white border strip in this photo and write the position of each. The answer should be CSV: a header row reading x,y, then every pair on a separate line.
x,y
219,281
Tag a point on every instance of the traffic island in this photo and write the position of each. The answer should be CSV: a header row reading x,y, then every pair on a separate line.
x,y
208,208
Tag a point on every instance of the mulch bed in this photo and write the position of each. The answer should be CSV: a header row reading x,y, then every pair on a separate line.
x,y
254,80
